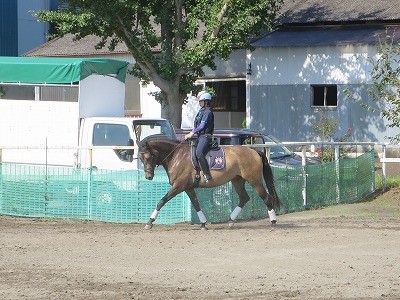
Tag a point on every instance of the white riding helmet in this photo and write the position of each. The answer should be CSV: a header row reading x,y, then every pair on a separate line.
x,y
204,96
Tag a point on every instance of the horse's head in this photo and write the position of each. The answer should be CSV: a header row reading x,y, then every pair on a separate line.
x,y
148,159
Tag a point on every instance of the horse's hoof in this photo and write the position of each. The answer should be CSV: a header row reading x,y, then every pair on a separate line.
x,y
148,226
231,223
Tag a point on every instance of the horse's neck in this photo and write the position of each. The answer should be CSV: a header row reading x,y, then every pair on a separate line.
x,y
165,152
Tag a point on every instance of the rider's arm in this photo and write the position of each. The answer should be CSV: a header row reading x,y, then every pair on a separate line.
x,y
196,130
200,127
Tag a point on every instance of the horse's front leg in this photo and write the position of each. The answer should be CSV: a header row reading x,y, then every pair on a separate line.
x,y
195,202
239,185
168,196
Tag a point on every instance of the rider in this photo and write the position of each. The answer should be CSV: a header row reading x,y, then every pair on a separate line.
x,y
204,128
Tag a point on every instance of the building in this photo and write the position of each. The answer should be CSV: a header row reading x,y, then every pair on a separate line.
x,y
318,50
19,30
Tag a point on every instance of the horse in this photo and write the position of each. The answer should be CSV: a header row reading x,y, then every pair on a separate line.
x,y
242,164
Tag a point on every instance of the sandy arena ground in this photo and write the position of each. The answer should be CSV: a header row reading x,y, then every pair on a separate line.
x,y
342,252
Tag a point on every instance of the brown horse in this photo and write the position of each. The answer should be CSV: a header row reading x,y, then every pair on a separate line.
x,y
242,164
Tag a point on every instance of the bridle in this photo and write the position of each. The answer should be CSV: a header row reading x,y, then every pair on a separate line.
x,y
147,169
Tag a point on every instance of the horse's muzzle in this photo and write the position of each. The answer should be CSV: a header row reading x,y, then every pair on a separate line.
x,y
149,176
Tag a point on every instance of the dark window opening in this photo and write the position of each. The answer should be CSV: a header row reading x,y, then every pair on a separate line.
x,y
230,95
324,95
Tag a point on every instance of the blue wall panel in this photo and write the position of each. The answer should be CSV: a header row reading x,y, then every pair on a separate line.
x,y
8,28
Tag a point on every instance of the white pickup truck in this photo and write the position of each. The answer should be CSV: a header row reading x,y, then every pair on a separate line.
x,y
69,112
63,132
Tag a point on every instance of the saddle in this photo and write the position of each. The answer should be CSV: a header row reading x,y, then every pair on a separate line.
x,y
215,156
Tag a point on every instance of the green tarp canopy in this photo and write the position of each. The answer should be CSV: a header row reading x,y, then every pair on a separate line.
x,y
55,70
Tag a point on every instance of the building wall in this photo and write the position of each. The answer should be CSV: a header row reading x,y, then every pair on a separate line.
x,y
19,30
311,65
285,112
279,92
8,28
31,32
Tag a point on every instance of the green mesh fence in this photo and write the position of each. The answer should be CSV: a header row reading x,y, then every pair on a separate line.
x,y
127,197
111,196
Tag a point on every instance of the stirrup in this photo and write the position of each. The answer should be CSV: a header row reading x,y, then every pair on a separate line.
x,y
207,178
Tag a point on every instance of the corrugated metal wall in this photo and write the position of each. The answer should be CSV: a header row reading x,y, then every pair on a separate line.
x,y
8,28
285,112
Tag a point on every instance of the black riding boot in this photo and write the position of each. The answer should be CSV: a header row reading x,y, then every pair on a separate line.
x,y
205,168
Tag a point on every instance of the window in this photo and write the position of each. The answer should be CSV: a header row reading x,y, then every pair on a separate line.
x,y
324,95
114,135
230,95
67,93
150,129
110,135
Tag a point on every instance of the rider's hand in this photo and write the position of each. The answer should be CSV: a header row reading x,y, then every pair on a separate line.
x,y
189,135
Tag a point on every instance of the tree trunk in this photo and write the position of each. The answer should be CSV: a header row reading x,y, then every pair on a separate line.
x,y
173,110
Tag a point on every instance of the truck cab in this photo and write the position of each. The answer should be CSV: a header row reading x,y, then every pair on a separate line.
x,y
98,136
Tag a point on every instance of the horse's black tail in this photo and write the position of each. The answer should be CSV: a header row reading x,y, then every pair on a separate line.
x,y
269,181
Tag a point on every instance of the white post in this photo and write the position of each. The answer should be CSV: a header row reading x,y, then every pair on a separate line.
x,y
303,163
37,93
337,152
384,182
337,170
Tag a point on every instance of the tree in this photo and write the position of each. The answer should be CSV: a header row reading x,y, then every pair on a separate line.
x,y
385,85
189,34
385,76
326,129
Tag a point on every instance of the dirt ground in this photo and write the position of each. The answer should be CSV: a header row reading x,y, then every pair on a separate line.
x,y
341,252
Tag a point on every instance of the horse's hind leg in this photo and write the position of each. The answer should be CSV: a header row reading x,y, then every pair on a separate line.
x,y
266,198
239,185
195,202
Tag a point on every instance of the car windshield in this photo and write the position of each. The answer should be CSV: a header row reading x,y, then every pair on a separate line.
x,y
153,128
276,151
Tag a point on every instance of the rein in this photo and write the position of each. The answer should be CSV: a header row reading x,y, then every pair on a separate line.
x,y
171,152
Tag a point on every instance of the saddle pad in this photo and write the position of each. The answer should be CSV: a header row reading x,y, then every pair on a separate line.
x,y
215,159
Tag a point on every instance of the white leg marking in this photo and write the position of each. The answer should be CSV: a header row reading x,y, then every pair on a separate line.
x,y
272,215
235,213
154,214
202,217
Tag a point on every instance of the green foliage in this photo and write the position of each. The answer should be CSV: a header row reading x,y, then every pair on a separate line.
x,y
325,128
391,182
386,82
385,90
189,34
